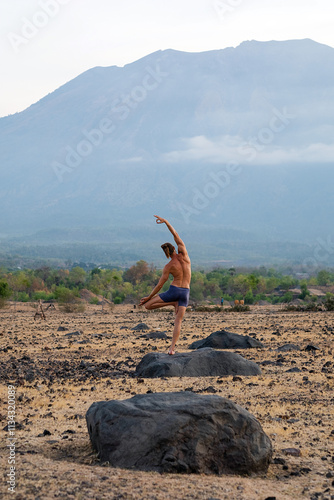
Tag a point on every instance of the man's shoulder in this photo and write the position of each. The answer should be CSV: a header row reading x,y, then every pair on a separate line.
x,y
184,258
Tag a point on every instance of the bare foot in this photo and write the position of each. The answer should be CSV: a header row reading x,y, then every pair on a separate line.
x,y
171,352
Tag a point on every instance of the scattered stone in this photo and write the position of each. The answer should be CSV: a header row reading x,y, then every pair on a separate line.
x,y
305,470
294,452
279,461
155,335
224,339
205,362
208,389
288,347
311,347
140,327
30,376
62,329
293,370
45,433
178,432
74,334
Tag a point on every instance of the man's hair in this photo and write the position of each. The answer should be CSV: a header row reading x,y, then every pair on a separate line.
x,y
168,249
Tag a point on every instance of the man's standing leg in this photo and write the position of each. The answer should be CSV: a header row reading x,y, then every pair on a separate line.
x,y
177,328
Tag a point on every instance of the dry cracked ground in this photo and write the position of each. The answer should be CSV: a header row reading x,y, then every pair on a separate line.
x,y
59,372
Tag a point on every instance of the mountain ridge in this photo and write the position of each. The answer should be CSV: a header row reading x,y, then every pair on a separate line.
x,y
117,144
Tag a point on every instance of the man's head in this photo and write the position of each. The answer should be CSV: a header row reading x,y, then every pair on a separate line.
x,y
168,249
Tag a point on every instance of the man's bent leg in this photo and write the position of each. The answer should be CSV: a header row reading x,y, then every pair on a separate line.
x,y
177,328
156,302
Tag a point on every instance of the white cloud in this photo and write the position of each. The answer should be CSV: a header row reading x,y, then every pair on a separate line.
x,y
234,148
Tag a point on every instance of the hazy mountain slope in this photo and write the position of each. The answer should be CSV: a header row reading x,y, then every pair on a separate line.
x,y
115,145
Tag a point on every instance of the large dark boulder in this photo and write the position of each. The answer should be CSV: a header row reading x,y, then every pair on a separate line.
x,y
178,432
224,339
202,363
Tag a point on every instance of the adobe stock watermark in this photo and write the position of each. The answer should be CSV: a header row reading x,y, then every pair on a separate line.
x,y
278,122
322,251
211,189
250,149
120,109
11,439
225,7
30,27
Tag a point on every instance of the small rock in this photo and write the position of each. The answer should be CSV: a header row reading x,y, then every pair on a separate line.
x,y
311,347
140,327
74,334
154,335
288,347
294,452
224,339
279,461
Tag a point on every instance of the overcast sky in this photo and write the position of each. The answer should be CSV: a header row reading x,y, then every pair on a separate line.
x,y
46,43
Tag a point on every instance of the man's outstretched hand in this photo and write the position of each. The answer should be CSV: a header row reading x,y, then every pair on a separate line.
x,y
160,220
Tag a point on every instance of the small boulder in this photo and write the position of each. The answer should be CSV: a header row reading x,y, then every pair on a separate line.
x,y
224,339
205,362
154,335
288,347
74,334
179,432
140,327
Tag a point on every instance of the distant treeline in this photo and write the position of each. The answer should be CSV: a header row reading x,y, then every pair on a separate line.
x,y
117,285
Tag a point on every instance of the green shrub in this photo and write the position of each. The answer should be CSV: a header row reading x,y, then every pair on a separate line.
x,y
118,300
94,300
22,297
329,302
43,296
68,300
287,297
239,308
249,297
5,293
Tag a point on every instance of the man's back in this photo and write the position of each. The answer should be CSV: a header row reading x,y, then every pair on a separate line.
x,y
180,268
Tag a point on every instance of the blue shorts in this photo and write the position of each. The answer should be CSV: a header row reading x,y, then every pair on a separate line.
x,y
176,294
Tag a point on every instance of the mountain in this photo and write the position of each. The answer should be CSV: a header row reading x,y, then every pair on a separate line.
x,y
230,144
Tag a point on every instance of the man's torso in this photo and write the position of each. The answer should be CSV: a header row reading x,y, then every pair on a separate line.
x,y
180,269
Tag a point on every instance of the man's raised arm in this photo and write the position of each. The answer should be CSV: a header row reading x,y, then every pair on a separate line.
x,y
180,244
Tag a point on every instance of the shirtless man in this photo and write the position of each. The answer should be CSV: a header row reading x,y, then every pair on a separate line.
x,y
178,293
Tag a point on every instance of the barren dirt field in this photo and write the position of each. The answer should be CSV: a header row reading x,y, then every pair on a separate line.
x,y
57,377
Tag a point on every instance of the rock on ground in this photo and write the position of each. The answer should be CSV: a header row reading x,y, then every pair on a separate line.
x,y
205,362
226,340
179,432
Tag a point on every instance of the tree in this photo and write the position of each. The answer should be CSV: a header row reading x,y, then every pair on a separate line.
x,y
253,281
5,293
69,300
304,291
77,276
240,284
329,302
137,272
287,282
323,277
